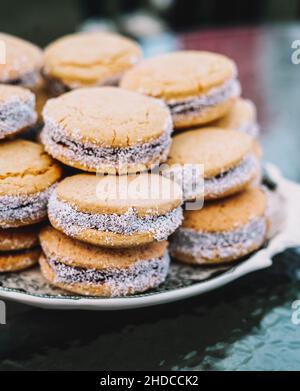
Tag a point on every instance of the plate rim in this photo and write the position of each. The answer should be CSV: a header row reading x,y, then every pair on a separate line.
x,y
259,260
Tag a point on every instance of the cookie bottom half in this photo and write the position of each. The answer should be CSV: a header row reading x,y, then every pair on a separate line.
x,y
110,282
194,247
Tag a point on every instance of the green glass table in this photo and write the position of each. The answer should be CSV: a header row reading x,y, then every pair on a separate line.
x,y
246,325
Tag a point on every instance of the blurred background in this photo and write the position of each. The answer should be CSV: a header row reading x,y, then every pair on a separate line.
x,y
43,21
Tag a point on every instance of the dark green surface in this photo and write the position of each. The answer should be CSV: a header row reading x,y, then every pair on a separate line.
x,y
243,326
246,325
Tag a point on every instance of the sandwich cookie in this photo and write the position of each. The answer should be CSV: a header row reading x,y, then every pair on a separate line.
x,y
224,230
228,161
22,62
94,271
17,110
19,248
116,211
27,177
88,59
199,87
242,117
107,130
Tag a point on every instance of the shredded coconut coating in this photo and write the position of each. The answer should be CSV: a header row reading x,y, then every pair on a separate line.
x,y
24,208
215,96
93,157
16,114
72,221
192,186
139,277
237,176
229,245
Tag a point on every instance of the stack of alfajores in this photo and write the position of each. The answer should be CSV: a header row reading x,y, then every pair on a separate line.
x,y
113,119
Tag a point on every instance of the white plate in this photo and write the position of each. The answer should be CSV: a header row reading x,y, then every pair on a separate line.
x,y
184,281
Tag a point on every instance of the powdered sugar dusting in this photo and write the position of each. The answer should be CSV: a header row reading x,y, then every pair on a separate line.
x,y
23,208
72,221
141,276
203,246
16,114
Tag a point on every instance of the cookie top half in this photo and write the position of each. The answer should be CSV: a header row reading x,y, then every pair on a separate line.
x,y
25,168
71,252
107,116
217,149
179,75
147,194
22,58
229,213
91,58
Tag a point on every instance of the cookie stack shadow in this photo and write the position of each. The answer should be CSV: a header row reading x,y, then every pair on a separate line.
x,y
133,131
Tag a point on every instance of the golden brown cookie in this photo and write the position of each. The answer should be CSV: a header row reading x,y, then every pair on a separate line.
x,y
107,130
88,59
13,261
27,177
226,159
198,87
223,230
242,117
23,62
17,110
116,211
97,271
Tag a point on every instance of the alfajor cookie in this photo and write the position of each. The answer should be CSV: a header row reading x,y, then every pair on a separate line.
x,y
224,230
198,87
88,59
19,248
116,211
17,110
27,177
228,162
90,270
107,130
241,117
22,61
